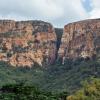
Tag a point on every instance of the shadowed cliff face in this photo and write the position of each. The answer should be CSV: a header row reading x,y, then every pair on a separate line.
x,y
81,39
23,43
59,32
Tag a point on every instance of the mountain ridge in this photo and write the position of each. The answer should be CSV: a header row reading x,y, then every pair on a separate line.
x,y
23,43
26,42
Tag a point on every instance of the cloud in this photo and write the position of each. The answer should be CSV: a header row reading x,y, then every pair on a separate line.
x,y
58,12
95,13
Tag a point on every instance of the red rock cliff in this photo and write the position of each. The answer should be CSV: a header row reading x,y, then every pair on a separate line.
x,y
80,39
25,42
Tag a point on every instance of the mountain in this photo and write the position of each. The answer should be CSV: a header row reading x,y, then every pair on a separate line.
x,y
66,56
24,43
81,40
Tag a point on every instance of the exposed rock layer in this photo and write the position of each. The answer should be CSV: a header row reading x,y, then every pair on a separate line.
x,y
81,39
25,42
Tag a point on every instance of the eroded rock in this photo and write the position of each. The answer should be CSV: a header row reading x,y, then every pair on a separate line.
x,y
81,39
25,42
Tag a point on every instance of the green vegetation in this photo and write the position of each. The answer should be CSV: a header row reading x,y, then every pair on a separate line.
x,y
22,92
57,80
90,91
56,77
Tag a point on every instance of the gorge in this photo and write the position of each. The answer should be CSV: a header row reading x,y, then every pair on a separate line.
x,y
24,43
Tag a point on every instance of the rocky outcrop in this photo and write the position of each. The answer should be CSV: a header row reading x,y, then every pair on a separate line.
x,y
25,42
81,40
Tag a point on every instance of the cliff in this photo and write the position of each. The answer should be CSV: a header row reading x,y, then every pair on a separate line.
x,y
81,40
23,43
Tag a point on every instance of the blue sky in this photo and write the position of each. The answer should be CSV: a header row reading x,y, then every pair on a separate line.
x,y
87,5
58,12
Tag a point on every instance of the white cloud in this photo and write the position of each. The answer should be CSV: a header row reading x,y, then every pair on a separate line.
x,y
95,13
58,12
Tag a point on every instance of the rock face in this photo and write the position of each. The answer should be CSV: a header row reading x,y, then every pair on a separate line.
x,y
59,32
25,42
81,40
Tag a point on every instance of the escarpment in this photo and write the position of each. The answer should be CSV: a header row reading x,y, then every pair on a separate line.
x,y
81,40
24,42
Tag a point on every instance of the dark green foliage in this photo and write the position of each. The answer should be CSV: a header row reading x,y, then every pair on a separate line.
x,y
57,78
23,92
70,75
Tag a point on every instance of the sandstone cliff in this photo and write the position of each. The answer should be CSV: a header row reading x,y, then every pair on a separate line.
x,y
24,42
81,39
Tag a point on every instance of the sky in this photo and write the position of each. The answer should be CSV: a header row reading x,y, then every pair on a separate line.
x,y
57,12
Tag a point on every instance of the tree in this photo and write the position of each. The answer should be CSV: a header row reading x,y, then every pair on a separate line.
x,y
90,91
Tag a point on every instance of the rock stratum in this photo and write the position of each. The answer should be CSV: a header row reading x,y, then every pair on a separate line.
x,y
81,40
24,43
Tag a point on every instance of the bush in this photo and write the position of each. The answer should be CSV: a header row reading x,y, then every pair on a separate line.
x,y
90,91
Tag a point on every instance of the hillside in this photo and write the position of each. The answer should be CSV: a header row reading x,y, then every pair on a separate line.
x,y
54,78
57,60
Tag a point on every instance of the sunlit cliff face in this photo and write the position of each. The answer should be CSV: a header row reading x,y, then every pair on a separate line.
x,y
81,39
25,43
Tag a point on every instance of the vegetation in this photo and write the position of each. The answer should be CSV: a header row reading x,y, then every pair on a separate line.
x,y
22,92
90,91
53,78
58,81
